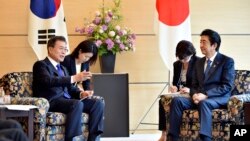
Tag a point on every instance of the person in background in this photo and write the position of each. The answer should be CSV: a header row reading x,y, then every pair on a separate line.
x,y
52,81
211,87
11,130
82,57
182,78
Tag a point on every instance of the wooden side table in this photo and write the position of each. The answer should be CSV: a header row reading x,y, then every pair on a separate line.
x,y
6,113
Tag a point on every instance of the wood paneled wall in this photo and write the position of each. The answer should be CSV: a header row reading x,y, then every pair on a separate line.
x,y
230,18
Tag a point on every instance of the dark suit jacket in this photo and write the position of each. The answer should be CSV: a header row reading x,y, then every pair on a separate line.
x,y
219,82
48,84
190,72
69,63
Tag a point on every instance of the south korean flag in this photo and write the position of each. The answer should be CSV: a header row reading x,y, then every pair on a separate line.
x,y
46,19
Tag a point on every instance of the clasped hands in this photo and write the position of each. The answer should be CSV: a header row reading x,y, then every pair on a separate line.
x,y
197,97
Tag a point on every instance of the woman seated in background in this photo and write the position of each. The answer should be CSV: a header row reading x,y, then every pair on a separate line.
x,y
182,78
84,55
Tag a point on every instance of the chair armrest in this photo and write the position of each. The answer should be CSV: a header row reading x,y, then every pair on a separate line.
x,y
41,103
236,102
167,98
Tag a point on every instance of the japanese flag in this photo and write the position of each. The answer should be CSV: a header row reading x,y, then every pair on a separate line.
x,y
174,25
46,19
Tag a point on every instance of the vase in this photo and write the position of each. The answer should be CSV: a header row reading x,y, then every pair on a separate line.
x,y
107,62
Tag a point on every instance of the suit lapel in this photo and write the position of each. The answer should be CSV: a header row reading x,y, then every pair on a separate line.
x,y
203,64
51,67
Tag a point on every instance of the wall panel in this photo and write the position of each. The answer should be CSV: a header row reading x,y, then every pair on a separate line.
x,y
225,16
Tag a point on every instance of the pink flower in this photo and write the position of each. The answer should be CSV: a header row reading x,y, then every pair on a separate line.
x,y
90,30
104,27
121,46
110,13
98,43
97,20
110,43
107,19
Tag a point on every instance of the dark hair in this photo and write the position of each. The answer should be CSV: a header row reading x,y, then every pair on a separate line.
x,y
213,37
184,49
52,40
87,46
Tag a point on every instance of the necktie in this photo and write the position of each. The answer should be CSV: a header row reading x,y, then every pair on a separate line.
x,y
208,67
61,73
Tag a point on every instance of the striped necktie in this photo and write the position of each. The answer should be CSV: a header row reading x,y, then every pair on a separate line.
x,y
208,67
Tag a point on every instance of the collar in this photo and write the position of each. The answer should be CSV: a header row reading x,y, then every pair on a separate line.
x,y
212,58
53,62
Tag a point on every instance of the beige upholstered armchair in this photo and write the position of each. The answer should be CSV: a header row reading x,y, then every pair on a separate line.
x,y
48,126
222,118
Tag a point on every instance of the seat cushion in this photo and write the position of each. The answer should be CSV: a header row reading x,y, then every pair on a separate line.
x,y
241,82
190,131
219,115
56,118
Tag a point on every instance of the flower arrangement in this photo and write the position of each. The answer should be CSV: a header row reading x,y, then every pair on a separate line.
x,y
105,30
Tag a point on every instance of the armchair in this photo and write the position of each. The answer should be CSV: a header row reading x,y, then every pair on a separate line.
x,y
222,118
48,126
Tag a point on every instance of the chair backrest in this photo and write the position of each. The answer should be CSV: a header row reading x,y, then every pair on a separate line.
x,y
241,82
17,84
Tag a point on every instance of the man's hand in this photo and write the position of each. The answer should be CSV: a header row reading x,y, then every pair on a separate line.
x,y
86,94
197,97
82,76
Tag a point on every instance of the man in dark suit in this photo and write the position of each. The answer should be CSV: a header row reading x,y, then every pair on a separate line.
x,y
211,87
51,81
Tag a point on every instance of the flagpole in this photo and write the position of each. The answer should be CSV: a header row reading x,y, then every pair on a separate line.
x,y
102,7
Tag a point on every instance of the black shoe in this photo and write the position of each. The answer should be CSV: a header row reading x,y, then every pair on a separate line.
x,y
94,138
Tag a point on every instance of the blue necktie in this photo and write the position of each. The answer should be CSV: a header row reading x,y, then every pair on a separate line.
x,y
208,67
61,73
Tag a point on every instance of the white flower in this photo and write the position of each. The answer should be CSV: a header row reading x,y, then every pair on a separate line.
x,y
124,32
117,37
117,27
111,33
101,31
97,13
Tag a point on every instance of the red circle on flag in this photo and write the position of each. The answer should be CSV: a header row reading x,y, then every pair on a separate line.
x,y
172,12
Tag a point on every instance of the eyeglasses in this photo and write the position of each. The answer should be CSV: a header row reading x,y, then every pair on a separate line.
x,y
63,49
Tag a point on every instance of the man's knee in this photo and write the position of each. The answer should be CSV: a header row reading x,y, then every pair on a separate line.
x,y
176,100
100,104
77,105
